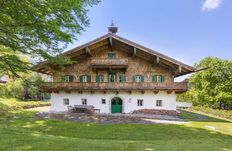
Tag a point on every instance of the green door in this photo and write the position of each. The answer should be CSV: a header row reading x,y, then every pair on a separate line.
x,y
116,105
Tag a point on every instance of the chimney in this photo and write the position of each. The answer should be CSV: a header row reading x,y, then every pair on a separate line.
x,y
112,29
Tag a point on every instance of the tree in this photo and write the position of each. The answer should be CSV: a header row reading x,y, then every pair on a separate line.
x,y
39,29
212,87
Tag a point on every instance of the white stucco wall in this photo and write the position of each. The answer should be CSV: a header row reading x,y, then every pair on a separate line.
x,y
129,100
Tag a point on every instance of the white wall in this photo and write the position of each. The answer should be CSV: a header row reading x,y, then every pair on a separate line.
x,y
129,100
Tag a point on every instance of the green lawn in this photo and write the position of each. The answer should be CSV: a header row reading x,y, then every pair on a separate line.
x,y
22,132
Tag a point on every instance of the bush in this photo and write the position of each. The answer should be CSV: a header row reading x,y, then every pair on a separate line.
x,y
12,104
227,114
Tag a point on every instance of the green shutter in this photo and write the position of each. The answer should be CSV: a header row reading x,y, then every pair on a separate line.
x,y
142,78
154,78
88,78
124,78
133,78
81,78
71,78
62,78
97,78
162,78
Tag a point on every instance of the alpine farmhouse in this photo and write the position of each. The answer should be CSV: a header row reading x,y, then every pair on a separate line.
x,y
115,75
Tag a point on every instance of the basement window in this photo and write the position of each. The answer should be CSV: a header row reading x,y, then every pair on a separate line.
x,y
84,101
66,101
103,101
159,103
140,102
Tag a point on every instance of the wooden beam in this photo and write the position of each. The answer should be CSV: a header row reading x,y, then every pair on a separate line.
x,y
180,68
157,59
135,51
111,42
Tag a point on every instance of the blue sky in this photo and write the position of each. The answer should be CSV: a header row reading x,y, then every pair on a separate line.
x,y
187,30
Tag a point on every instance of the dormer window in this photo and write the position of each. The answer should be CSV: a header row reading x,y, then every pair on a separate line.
x,y
111,55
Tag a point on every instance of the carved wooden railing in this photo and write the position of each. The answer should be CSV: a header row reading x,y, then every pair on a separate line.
x,y
95,62
55,86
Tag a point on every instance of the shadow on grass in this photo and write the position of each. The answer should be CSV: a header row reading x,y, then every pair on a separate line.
x,y
192,116
31,133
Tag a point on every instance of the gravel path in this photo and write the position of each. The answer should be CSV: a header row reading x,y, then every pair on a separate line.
x,y
111,118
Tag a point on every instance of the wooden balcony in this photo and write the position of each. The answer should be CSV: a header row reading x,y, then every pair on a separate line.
x,y
109,63
68,86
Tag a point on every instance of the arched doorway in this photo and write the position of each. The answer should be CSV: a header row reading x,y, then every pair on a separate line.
x,y
116,105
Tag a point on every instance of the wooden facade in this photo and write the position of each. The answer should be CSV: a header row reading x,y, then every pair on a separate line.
x,y
112,55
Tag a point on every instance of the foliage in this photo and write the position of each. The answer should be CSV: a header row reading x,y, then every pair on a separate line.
x,y
25,87
227,114
22,132
211,87
38,29
11,104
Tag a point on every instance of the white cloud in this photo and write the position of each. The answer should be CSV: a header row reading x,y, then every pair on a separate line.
x,y
210,5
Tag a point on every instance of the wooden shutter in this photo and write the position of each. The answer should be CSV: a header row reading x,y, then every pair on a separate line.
x,y
62,78
97,78
162,78
154,78
71,78
133,78
88,78
81,78
142,78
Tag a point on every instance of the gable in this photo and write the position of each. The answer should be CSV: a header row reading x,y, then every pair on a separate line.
x,y
113,42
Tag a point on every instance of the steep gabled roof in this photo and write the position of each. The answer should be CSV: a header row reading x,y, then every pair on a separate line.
x,y
178,67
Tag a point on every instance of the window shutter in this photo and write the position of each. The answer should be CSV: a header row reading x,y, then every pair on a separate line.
x,y
142,78
71,78
62,78
162,78
133,78
81,78
124,78
154,78
97,78
88,78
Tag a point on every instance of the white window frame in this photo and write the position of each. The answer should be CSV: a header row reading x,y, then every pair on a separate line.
x,y
66,101
140,102
138,78
84,101
85,78
159,103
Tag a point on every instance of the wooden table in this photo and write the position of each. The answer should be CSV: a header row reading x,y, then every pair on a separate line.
x,y
84,109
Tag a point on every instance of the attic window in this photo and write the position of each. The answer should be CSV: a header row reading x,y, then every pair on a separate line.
x,y
111,55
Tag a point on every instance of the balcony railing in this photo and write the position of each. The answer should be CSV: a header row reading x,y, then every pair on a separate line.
x,y
56,86
107,62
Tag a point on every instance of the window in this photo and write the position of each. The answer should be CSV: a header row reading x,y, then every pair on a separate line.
x,y
85,78
158,78
112,77
159,103
111,55
140,102
103,101
66,101
138,78
68,78
122,78
84,101
99,78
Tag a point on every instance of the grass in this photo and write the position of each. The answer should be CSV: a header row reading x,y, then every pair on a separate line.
x,y
20,131
14,104
226,114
